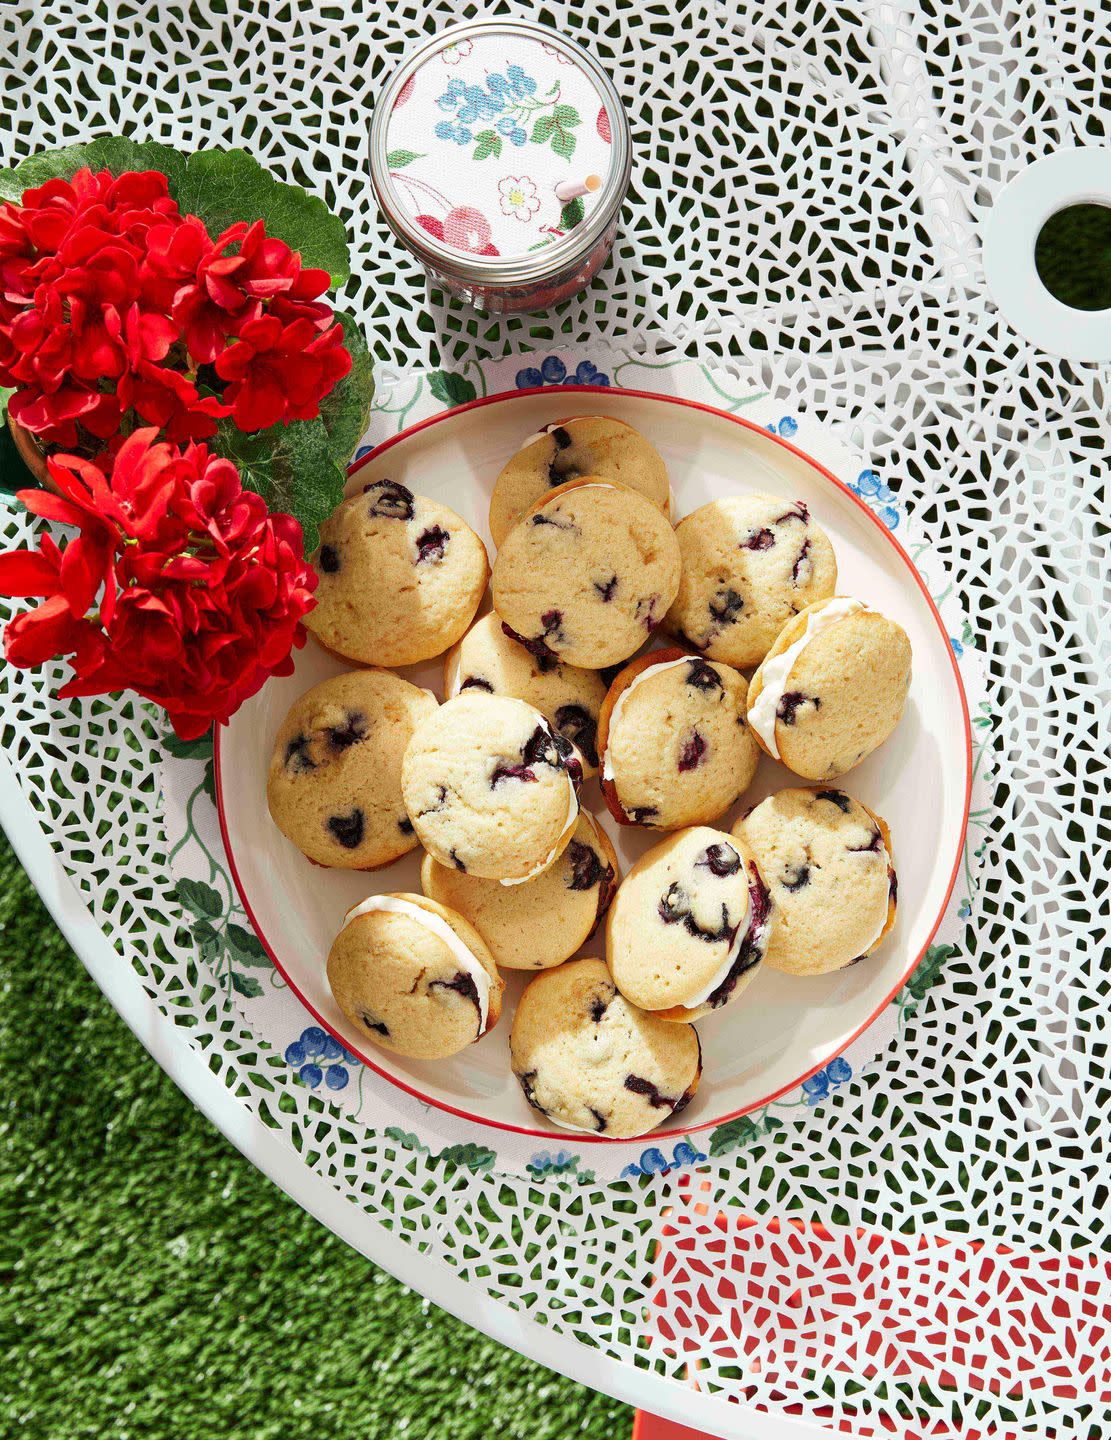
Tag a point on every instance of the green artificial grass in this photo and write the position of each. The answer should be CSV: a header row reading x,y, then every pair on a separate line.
x,y
154,1284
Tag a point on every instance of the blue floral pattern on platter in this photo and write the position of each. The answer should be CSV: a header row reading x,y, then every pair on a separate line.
x,y
654,1162
319,1058
553,371
878,496
823,1082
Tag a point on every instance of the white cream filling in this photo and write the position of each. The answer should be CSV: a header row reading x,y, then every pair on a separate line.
x,y
776,672
451,687
886,860
556,425
566,1124
719,976
615,713
572,821
443,931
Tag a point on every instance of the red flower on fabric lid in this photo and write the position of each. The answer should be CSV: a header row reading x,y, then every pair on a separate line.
x,y
464,227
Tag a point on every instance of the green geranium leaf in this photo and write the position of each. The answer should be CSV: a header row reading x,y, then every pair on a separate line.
x,y
563,144
542,129
450,389
572,214
486,143
108,152
398,159
345,412
221,186
292,467
246,948
245,985
195,895
733,1135
474,1157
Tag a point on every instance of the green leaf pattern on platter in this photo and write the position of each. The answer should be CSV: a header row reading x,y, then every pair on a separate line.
x,y
449,388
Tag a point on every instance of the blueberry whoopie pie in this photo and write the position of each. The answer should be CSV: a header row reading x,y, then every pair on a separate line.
x,y
399,577
569,450
675,748
587,1059
334,783
689,928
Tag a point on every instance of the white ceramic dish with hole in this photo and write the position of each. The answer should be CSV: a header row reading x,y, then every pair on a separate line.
x,y
920,781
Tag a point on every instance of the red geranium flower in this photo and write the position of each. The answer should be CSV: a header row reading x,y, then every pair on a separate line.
x,y
179,585
281,372
111,300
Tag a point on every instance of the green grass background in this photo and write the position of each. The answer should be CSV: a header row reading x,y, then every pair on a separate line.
x,y
154,1284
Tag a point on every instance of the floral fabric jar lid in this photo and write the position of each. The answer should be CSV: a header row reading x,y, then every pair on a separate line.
x,y
484,130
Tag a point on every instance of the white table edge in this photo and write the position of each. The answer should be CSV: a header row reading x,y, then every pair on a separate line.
x,y
425,1274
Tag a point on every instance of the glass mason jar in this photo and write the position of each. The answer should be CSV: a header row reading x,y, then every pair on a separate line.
x,y
500,157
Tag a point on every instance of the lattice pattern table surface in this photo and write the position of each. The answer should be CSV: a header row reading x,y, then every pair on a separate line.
x,y
809,195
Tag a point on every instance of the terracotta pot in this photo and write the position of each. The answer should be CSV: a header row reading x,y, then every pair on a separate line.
x,y
29,452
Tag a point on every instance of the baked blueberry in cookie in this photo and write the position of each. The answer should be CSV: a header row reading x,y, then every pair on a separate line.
x,y
491,787
750,563
831,689
587,1059
587,574
489,660
540,923
400,577
827,862
569,450
675,748
689,927
334,783
413,976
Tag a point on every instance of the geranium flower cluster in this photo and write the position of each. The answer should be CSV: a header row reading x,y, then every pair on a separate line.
x,y
179,584
117,310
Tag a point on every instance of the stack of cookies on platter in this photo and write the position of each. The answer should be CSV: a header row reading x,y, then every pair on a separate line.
x,y
549,690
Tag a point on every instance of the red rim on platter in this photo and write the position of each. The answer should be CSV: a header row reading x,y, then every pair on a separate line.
x,y
577,391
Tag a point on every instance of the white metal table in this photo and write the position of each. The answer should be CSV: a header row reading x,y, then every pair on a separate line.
x,y
810,195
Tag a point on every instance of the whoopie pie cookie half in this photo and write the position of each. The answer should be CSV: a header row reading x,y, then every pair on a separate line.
x,y
334,782
750,562
689,927
491,788
831,689
414,977
543,921
589,1060
826,859
400,577
569,449
674,745
587,574
491,661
